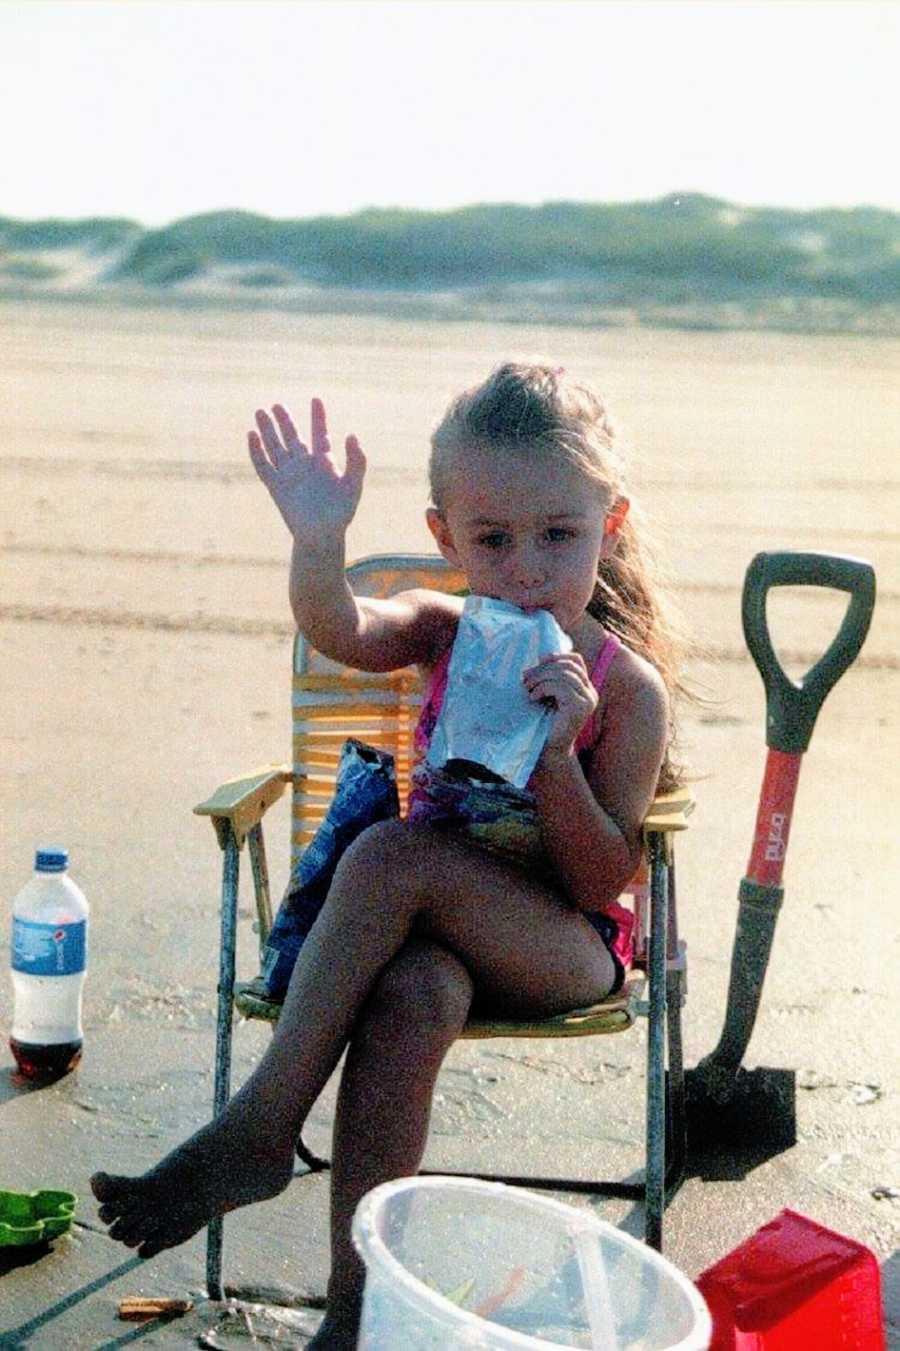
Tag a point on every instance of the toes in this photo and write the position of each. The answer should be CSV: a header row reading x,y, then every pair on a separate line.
x,y
104,1186
114,1192
128,1227
166,1232
122,1203
129,1232
157,1240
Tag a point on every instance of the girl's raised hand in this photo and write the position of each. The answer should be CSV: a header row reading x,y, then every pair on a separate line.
x,y
563,683
314,499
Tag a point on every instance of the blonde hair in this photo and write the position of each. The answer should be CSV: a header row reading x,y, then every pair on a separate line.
x,y
534,410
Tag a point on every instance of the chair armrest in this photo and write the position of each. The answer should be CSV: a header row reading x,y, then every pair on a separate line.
x,y
242,803
669,811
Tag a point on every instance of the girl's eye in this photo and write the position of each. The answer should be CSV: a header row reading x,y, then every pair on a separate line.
x,y
556,534
495,540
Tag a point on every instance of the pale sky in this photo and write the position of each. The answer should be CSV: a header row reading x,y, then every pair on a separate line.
x,y
159,110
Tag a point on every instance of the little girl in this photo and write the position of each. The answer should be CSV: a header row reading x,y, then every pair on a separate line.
x,y
421,924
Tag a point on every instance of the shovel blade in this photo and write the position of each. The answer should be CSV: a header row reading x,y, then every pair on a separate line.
x,y
730,1135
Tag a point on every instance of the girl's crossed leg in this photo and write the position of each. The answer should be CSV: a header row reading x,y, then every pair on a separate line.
x,y
415,1013
405,901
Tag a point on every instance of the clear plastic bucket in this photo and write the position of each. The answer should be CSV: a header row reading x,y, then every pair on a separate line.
x,y
454,1262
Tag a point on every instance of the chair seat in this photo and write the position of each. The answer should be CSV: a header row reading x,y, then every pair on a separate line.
x,y
616,1013
252,1001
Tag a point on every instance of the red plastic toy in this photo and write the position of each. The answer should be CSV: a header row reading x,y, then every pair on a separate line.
x,y
794,1285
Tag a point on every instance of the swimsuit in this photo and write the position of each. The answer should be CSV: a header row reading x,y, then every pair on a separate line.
x,y
499,817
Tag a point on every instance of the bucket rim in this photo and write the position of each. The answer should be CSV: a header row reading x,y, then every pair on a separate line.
x,y
376,1254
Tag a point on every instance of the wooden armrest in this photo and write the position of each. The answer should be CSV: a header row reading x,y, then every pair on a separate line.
x,y
242,803
669,811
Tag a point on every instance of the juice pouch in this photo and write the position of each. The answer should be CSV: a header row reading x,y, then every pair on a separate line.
x,y
365,792
487,718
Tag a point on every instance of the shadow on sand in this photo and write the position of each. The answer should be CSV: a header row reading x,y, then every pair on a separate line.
x,y
20,1336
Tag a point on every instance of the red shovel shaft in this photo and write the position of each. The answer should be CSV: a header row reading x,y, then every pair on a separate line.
x,y
773,818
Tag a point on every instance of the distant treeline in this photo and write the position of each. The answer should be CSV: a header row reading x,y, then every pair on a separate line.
x,y
661,249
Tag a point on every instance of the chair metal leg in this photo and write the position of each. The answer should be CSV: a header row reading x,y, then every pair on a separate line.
x,y
655,1197
676,1101
257,850
676,1122
230,871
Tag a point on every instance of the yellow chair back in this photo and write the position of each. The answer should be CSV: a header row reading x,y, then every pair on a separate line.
x,y
332,702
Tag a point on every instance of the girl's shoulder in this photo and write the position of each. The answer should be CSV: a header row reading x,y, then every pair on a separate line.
x,y
632,690
632,676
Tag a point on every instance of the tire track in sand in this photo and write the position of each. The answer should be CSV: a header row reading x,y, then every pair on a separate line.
x,y
234,470
209,560
238,627
181,471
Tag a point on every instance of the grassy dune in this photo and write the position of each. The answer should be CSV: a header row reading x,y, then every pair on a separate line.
x,y
685,260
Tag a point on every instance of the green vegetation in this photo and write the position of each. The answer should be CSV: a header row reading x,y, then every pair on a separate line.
x,y
28,269
266,276
721,249
98,235
683,252
158,259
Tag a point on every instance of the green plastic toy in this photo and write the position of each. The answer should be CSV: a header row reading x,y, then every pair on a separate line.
x,y
34,1217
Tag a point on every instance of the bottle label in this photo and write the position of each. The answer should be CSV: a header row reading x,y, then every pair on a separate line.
x,y
49,949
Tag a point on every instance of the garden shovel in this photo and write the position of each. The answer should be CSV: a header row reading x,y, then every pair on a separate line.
x,y
730,1106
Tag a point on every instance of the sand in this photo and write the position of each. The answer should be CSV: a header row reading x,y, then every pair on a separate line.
x,y
146,646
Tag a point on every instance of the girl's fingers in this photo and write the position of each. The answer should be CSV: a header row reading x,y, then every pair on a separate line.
x,y
566,666
560,691
320,443
356,462
288,430
269,451
273,446
258,455
562,659
562,685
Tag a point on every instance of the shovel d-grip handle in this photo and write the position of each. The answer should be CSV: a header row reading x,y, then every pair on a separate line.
x,y
792,708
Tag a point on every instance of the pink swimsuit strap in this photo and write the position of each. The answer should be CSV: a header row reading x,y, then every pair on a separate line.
x,y
599,672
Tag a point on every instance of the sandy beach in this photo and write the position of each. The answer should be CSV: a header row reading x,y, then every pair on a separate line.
x,y
146,642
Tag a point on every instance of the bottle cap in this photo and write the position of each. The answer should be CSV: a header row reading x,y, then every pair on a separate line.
x,y
51,860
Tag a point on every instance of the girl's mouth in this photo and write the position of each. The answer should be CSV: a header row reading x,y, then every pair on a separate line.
x,y
528,607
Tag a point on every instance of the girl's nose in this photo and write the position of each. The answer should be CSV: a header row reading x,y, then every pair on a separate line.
x,y
527,567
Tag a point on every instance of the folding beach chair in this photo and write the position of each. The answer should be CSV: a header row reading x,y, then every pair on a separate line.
x,y
332,703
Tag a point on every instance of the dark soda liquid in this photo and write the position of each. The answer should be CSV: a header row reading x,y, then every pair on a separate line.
x,y
45,1063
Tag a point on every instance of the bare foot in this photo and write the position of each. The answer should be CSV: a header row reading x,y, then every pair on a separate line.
x,y
220,1168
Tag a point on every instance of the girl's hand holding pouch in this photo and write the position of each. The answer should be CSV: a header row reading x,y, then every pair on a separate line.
x,y
561,682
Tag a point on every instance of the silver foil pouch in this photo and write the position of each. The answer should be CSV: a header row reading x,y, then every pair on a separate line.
x,y
487,717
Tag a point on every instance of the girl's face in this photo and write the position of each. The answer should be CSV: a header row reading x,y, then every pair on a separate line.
x,y
527,530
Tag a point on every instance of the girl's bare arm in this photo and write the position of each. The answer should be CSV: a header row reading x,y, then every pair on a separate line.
x,y
364,632
592,823
317,503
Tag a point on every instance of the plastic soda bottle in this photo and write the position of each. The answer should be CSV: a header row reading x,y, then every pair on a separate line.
x,y
49,956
